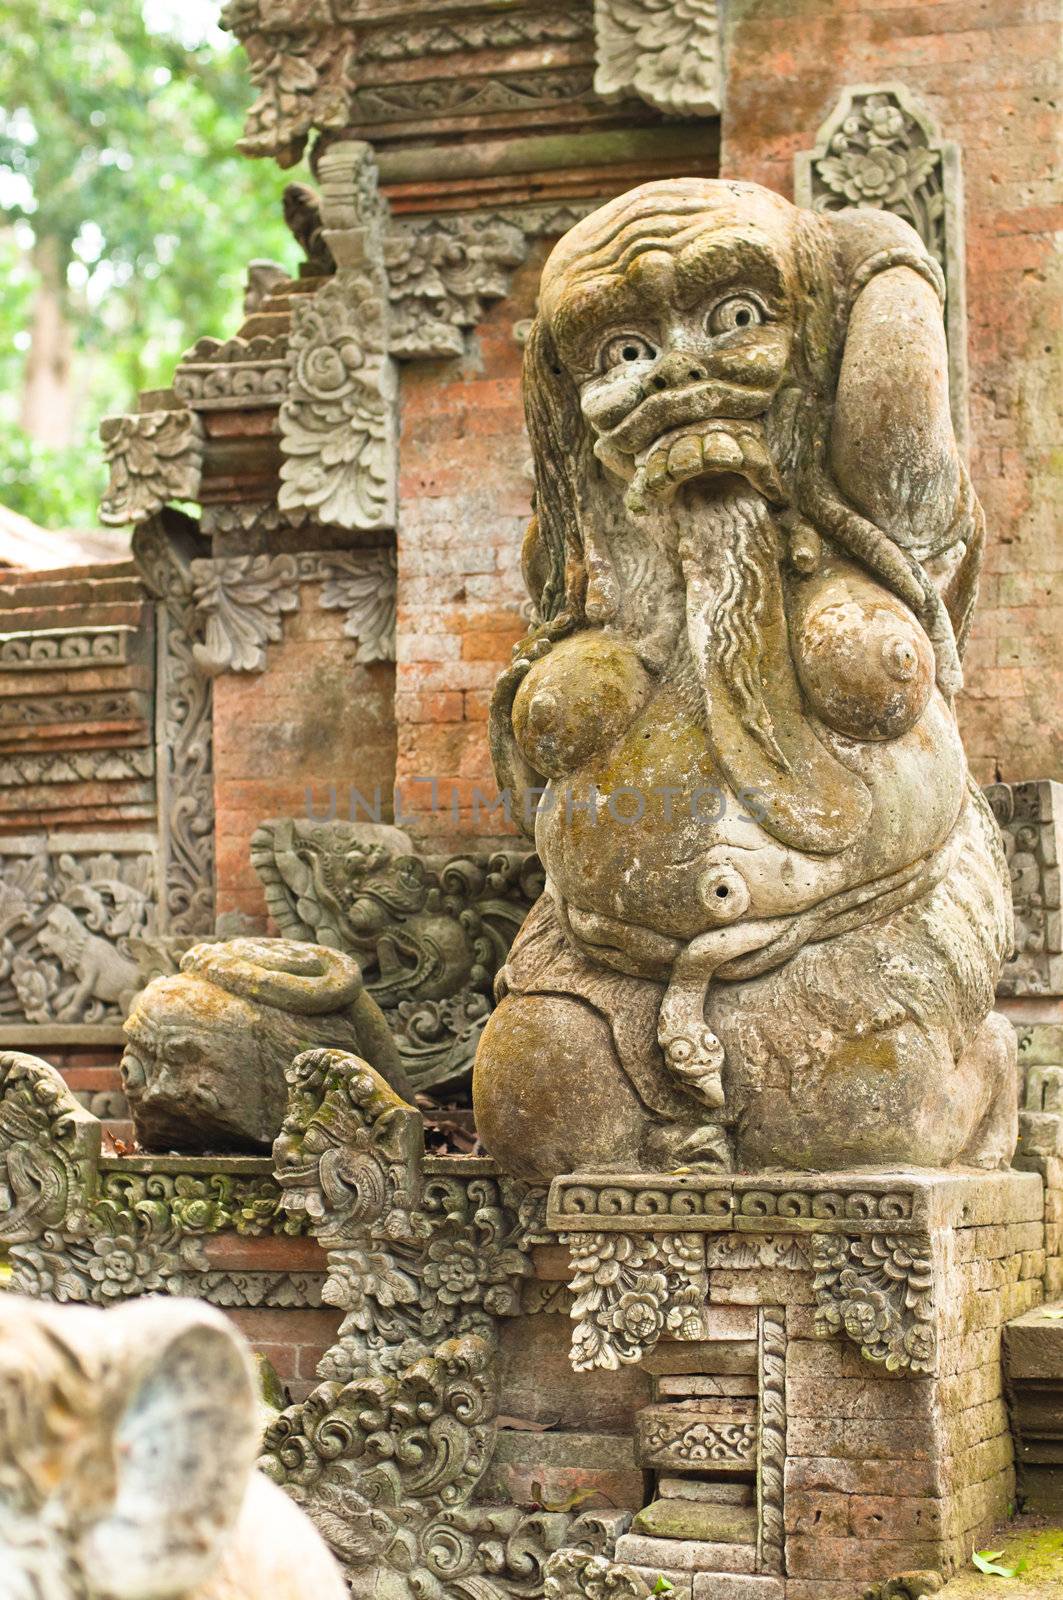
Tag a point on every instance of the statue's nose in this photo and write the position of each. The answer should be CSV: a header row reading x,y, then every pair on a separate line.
x,y
677,370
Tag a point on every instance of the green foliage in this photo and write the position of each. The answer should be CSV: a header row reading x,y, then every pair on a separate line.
x,y
117,146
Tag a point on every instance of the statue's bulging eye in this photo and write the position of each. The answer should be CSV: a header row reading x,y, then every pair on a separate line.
x,y
626,347
738,311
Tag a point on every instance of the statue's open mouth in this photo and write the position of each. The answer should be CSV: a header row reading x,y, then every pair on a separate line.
x,y
708,448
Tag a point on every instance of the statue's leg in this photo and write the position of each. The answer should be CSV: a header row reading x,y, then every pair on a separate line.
x,y
993,1056
549,1092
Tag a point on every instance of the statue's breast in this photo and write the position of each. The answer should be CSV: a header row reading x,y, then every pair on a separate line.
x,y
865,666
577,702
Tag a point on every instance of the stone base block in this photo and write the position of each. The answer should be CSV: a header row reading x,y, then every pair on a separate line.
x,y
876,1438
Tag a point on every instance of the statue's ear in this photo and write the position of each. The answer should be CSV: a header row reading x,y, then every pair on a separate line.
x,y
892,447
181,1404
559,449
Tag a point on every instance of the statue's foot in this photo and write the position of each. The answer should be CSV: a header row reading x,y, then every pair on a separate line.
x,y
671,1147
549,1093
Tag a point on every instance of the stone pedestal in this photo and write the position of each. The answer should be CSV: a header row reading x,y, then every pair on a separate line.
x,y
841,1380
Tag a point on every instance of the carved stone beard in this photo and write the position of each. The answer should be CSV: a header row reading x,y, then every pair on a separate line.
x,y
730,542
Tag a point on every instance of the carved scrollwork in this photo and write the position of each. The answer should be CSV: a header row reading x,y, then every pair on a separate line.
x,y
665,51
441,279
241,601
879,149
363,584
771,1439
154,457
575,1575
1031,820
387,1452
302,81
338,423
627,1290
878,1290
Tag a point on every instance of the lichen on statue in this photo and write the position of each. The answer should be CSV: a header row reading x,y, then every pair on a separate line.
x,y
776,905
204,1066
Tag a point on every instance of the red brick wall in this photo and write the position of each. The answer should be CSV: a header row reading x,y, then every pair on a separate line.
x,y
988,70
313,720
465,500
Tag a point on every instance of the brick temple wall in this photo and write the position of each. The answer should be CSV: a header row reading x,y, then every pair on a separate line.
x,y
310,726
988,70
464,503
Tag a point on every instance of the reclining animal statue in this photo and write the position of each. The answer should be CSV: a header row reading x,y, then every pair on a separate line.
x,y
208,1047
127,1462
776,904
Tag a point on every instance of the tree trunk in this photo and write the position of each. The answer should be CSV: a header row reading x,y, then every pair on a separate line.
x,y
48,400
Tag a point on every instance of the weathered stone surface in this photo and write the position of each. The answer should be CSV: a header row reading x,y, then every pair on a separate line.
x,y
208,1048
684,1555
165,1394
736,598
693,1519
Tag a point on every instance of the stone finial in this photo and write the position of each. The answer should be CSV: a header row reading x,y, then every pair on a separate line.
x,y
128,1448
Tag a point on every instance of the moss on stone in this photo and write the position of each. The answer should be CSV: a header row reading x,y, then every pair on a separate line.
x,y
1029,1539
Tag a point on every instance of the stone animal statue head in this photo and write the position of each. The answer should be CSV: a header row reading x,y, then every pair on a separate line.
x,y
753,563
208,1047
127,1448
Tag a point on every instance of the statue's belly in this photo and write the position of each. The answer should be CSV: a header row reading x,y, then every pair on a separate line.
x,y
645,836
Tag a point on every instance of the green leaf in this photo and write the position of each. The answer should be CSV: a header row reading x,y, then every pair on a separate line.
x,y
662,1586
988,1561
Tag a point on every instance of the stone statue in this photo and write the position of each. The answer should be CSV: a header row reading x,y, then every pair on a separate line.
x,y
776,905
127,1451
208,1046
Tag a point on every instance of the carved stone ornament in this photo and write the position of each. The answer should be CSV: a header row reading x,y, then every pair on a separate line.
x,y
386,1454
441,278
665,51
878,1290
164,549
429,934
320,67
1031,819
78,1229
338,425
746,646
240,603
879,148
576,1575
69,920
628,1290
154,457
127,1447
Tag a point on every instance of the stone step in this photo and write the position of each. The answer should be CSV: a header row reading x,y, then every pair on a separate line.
x,y
672,1518
1033,1368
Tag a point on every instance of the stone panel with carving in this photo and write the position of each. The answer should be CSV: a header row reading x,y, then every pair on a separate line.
x,y
70,908
1031,820
430,934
